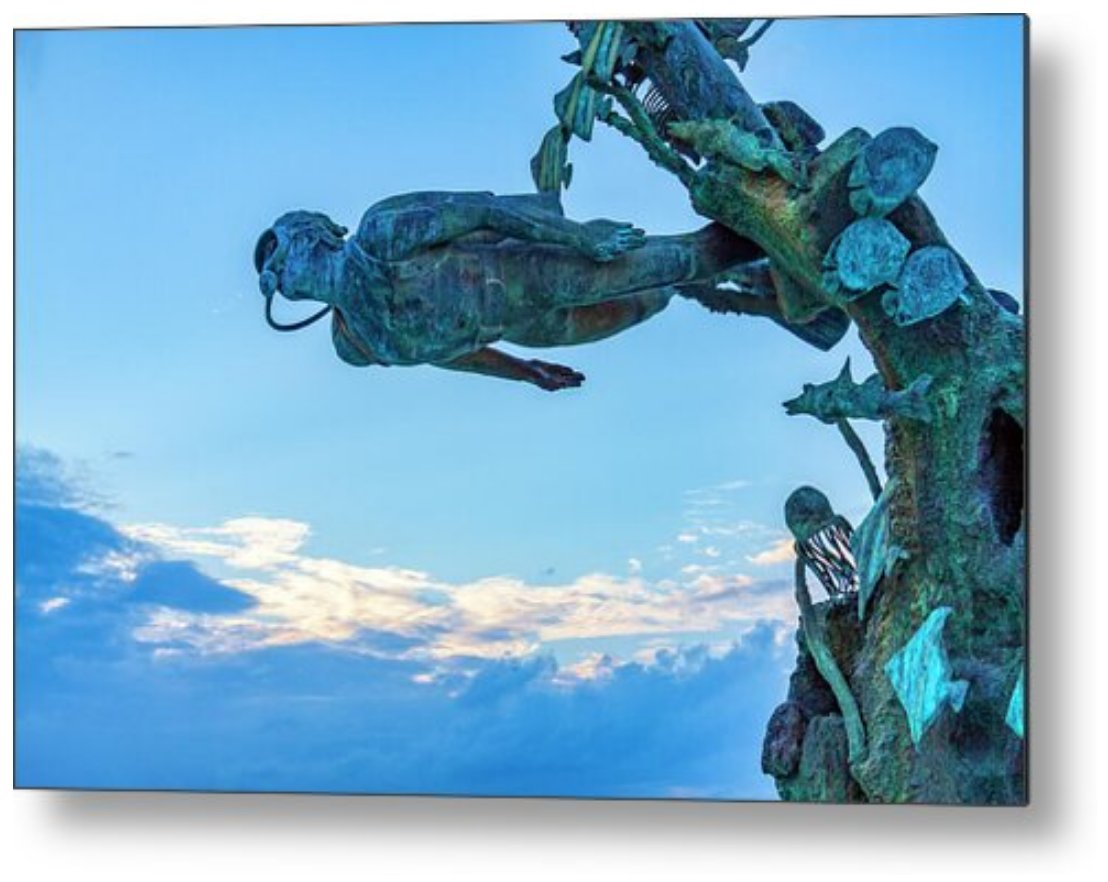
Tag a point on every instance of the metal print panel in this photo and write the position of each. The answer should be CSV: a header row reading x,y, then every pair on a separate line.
x,y
654,426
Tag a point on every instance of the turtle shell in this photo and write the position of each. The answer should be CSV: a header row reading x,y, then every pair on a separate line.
x,y
932,281
868,253
888,170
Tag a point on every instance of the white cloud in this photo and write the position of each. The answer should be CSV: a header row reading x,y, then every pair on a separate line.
x,y
299,598
594,666
780,552
687,537
634,566
715,491
250,542
52,604
738,529
694,568
123,566
708,585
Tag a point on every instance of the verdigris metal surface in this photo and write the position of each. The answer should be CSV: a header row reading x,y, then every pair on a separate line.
x,y
921,675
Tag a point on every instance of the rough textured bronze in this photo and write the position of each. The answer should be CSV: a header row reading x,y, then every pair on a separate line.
x,y
437,278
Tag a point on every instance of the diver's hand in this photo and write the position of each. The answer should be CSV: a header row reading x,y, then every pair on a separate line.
x,y
606,240
552,377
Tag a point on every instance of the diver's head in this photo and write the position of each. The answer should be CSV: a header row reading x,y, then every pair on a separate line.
x,y
293,256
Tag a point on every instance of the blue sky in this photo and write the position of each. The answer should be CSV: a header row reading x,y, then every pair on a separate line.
x,y
245,564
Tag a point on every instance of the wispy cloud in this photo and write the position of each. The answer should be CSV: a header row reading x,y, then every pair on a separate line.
x,y
780,552
300,598
251,582
717,535
716,492
246,543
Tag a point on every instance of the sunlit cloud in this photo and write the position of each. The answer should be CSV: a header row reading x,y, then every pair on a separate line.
x,y
250,542
695,568
594,666
298,598
717,540
780,552
123,566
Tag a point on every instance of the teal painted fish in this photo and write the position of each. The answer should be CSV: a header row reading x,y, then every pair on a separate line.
x,y
842,399
920,675
1014,717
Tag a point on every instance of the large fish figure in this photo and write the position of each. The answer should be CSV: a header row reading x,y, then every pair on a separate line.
x,y
920,675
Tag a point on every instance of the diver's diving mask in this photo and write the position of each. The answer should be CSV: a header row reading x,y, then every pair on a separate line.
x,y
271,252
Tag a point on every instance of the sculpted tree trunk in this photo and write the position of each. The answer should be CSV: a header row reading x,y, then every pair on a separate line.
x,y
941,706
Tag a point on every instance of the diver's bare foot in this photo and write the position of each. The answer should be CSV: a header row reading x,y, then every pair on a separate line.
x,y
553,377
606,240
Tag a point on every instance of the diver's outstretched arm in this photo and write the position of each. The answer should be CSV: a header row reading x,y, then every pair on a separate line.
x,y
494,363
399,227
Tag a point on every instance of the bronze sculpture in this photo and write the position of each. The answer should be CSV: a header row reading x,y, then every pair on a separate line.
x,y
821,237
437,278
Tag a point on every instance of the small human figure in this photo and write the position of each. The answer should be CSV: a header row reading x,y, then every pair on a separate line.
x,y
437,278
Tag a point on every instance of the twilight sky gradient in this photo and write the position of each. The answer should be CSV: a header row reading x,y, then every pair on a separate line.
x,y
242,564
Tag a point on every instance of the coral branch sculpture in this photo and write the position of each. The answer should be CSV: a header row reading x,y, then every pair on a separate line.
x,y
845,236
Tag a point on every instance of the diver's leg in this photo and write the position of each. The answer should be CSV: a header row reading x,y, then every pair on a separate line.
x,y
548,203
823,330
549,277
571,325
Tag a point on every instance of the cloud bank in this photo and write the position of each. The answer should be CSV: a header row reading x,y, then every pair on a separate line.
x,y
226,657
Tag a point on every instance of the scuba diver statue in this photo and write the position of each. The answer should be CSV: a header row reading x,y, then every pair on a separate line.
x,y
437,278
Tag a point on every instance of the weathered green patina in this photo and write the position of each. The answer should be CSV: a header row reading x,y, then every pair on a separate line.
x,y
727,140
888,170
869,253
921,675
842,398
822,540
932,282
437,278
875,554
955,504
820,238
